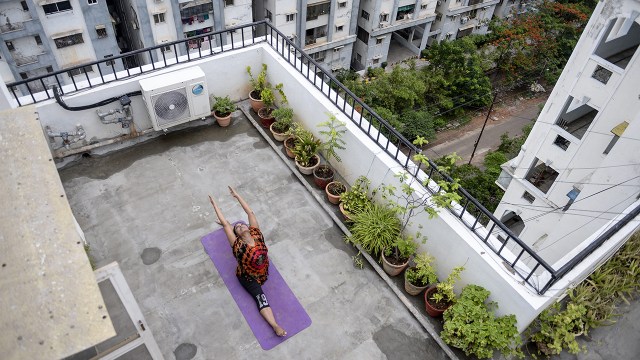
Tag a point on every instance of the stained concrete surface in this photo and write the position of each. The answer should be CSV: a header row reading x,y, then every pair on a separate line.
x,y
154,195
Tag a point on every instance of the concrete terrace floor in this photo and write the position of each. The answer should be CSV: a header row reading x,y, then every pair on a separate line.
x,y
150,202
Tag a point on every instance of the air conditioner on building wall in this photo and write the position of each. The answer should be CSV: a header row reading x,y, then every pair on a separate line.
x,y
464,20
176,97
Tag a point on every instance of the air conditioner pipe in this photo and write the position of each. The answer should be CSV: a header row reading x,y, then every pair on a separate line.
x,y
68,138
124,116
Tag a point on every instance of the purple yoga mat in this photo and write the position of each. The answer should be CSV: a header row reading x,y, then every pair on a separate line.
x,y
288,312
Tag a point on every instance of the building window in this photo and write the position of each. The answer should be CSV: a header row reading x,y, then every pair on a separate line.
x,y
79,71
342,4
384,17
70,40
339,28
38,39
319,56
375,61
541,175
10,45
438,16
291,17
365,15
25,7
57,7
359,58
312,35
101,30
561,142
404,12
24,76
362,35
166,49
49,69
228,3
158,18
268,15
601,74
527,196
92,2
577,121
379,40
423,7
619,42
315,10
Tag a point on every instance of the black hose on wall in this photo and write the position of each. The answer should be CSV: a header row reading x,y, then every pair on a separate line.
x,y
57,94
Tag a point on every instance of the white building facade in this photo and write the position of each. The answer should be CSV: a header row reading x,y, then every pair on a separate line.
x,y
459,18
578,171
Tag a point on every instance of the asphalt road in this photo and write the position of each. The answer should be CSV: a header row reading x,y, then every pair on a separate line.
x,y
463,143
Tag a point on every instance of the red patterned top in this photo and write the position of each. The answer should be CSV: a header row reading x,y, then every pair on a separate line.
x,y
253,261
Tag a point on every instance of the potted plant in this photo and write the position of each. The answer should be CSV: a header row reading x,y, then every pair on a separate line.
x,y
375,228
283,120
471,325
258,84
334,191
222,109
420,276
396,257
557,329
332,131
356,198
306,152
268,97
440,297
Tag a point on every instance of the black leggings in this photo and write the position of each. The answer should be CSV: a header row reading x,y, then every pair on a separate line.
x,y
251,285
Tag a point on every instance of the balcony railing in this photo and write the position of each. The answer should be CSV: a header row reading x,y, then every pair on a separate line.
x,y
469,211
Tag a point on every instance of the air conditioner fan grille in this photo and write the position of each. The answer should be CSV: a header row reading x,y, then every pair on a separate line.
x,y
171,106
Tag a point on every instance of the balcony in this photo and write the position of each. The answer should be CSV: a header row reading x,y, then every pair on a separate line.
x,y
154,197
10,27
25,60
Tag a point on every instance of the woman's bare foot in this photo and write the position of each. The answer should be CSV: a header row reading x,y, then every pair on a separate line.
x,y
279,331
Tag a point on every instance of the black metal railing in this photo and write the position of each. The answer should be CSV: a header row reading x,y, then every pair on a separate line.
x,y
517,256
127,65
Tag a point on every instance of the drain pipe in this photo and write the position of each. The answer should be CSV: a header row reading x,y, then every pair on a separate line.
x,y
68,138
124,115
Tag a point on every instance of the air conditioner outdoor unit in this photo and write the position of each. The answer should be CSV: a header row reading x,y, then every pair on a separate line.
x,y
464,20
176,97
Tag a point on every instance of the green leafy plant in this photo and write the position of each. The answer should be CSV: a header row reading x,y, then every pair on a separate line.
x,y
357,198
332,131
284,119
558,329
357,260
223,106
423,273
375,228
444,293
259,82
401,250
268,97
306,147
472,326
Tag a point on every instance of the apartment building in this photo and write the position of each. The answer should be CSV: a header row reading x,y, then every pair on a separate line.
x,y
578,171
508,8
379,22
459,18
45,36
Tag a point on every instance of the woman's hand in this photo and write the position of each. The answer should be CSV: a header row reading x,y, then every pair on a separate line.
x,y
213,203
233,192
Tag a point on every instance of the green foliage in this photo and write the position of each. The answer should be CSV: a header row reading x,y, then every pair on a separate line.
x,y
375,228
223,106
402,249
558,329
415,123
445,292
455,76
332,131
357,260
259,82
471,325
357,198
268,97
284,119
306,147
424,272
344,75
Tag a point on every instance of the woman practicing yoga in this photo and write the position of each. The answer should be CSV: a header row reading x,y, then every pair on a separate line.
x,y
250,251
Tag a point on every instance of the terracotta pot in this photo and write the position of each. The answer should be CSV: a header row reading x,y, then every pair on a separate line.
x,y
289,144
334,199
276,135
392,269
320,181
412,289
432,310
344,212
256,103
308,170
223,121
266,120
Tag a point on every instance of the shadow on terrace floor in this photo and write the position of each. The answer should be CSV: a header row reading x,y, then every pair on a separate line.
x,y
152,199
